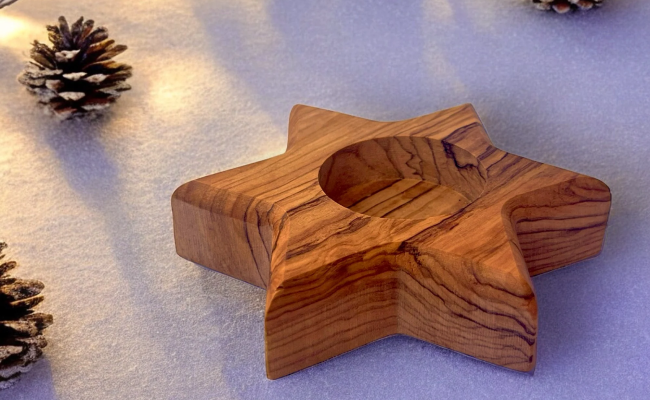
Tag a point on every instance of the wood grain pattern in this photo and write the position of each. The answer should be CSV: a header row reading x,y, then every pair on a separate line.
x,y
365,229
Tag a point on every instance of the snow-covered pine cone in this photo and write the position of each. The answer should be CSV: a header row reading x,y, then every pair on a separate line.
x,y
77,75
563,6
21,329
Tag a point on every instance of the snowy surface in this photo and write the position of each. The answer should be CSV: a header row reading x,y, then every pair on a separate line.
x,y
85,206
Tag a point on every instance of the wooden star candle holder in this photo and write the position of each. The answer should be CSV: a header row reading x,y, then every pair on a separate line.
x,y
365,229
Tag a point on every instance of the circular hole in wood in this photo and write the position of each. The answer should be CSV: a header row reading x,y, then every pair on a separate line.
x,y
403,177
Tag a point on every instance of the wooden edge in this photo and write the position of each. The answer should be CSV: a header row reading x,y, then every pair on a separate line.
x,y
225,231
560,224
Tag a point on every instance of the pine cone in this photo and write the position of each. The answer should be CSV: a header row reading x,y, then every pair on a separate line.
x,y
564,6
5,3
21,338
77,75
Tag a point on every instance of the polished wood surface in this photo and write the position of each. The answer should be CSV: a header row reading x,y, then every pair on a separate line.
x,y
365,229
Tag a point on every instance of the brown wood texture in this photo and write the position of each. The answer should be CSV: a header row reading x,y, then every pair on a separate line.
x,y
365,229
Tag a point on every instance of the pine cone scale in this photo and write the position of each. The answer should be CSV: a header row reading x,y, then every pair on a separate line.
x,y
54,85
41,320
19,289
97,48
5,3
25,303
8,351
19,328
88,27
112,51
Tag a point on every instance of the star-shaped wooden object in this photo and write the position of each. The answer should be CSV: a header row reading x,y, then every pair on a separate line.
x,y
365,229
